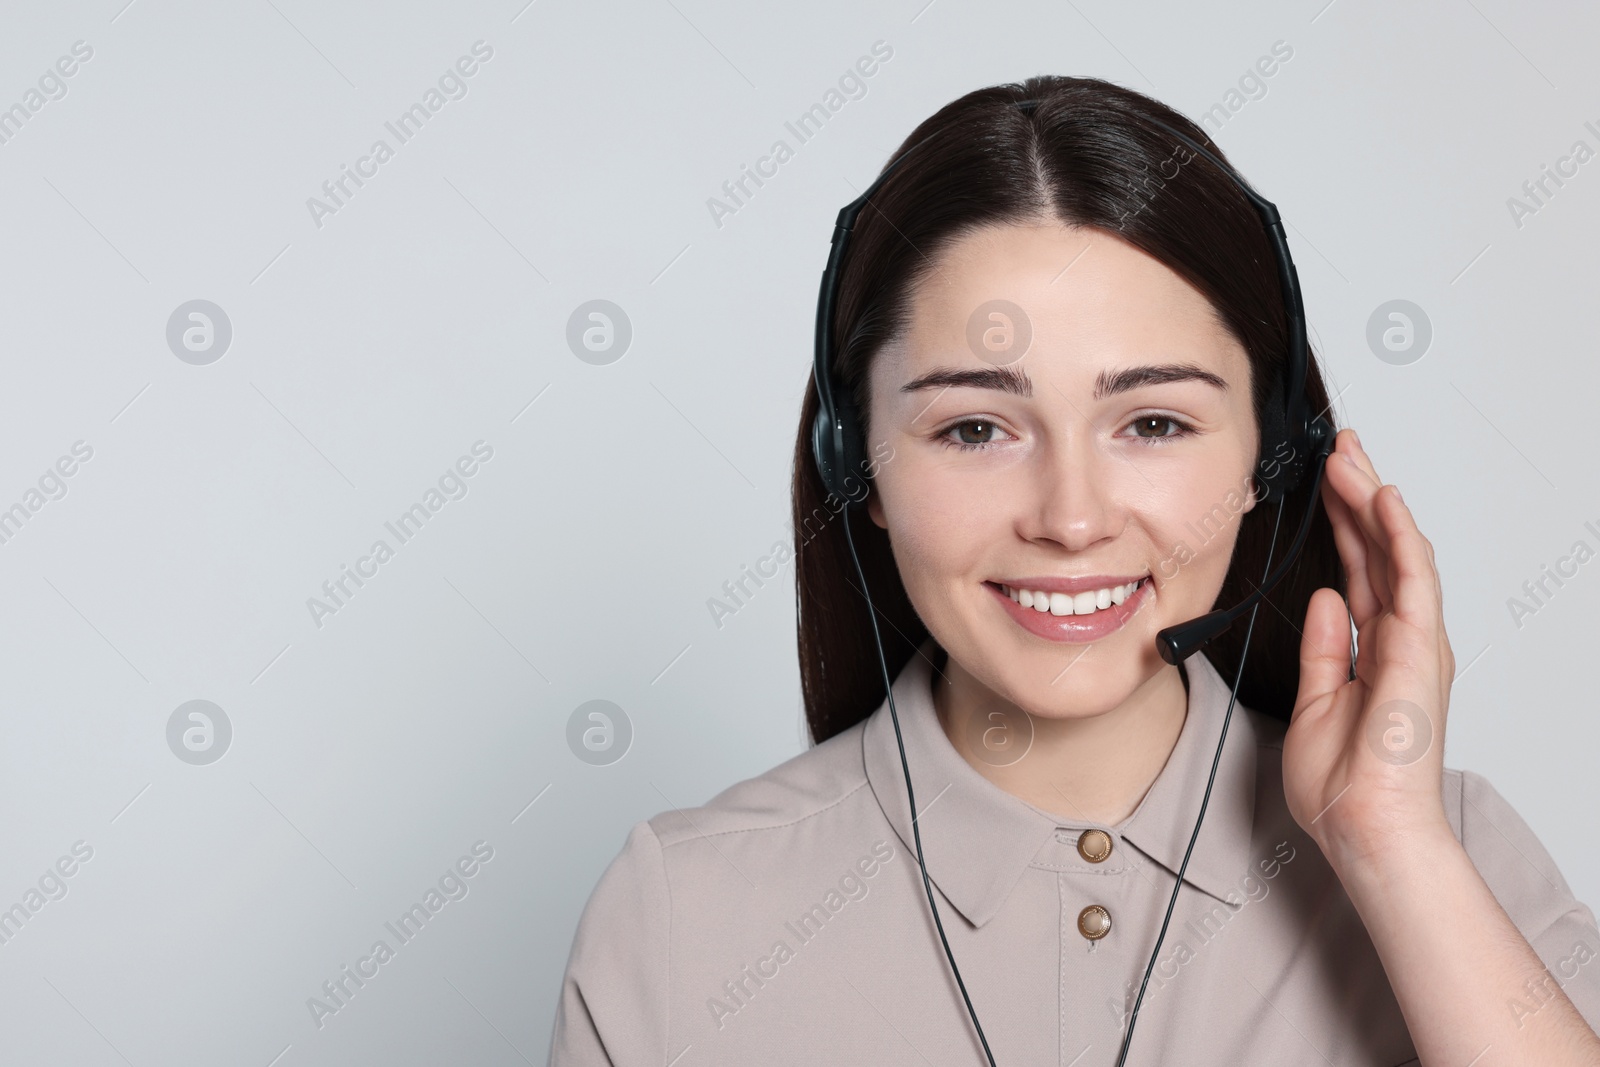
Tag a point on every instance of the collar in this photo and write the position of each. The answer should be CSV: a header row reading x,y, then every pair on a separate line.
x,y
977,839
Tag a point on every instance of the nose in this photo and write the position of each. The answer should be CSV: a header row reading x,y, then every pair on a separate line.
x,y
1076,497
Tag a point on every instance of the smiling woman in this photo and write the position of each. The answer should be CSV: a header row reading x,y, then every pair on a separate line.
x,y
1178,302
1072,470
1046,521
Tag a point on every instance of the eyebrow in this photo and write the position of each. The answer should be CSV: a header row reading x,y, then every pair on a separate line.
x,y
1107,383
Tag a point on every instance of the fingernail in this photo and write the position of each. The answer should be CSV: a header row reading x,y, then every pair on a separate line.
x,y
1397,495
1356,437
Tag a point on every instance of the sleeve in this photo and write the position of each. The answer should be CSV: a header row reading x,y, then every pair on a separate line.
x,y
1529,886
612,1010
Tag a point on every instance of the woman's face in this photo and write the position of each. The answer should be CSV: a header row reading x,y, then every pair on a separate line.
x,y
1117,448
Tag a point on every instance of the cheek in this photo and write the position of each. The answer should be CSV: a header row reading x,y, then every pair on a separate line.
x,y
937,528
1194,523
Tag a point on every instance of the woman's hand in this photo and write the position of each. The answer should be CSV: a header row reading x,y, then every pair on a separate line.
x,y
1364,758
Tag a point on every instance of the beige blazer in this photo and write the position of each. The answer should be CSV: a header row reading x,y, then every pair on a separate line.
x,y
785,921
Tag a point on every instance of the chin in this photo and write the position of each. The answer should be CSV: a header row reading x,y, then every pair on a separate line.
x,y
1088,690
1062,681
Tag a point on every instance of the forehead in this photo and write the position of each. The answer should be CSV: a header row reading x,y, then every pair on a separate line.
x,y
1089,298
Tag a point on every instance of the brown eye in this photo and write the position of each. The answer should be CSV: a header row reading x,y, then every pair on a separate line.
x,y
970,434
1153,422
974,431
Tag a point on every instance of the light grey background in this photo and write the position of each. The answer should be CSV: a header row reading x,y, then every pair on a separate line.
x,y
430,312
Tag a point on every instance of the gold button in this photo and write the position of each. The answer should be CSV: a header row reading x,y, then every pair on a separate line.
x,y
1094,845
1094,922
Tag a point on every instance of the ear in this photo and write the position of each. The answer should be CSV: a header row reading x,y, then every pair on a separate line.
x,y
875,509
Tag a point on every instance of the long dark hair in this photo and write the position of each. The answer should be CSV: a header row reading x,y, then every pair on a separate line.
x,y
1085,156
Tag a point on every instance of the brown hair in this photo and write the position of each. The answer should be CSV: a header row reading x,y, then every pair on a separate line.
x,y
1084,156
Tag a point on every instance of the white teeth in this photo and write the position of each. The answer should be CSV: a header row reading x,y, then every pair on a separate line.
x,y
1085,603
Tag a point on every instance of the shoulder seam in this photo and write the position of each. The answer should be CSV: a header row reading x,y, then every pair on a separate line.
x,y
773,826
666,882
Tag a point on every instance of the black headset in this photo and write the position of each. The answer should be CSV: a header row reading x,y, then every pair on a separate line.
x,y
838,449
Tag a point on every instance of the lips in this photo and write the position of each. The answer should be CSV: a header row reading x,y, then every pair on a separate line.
x,y
1073,628
1085,602
1073,586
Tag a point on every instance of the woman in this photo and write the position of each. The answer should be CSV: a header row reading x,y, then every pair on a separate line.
x,y
1064,341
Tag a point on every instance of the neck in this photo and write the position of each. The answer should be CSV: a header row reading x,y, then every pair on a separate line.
x,y
1093,769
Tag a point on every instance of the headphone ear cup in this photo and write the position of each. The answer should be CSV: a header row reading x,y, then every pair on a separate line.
x,y
852,468
839,457
1277,470
822,447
